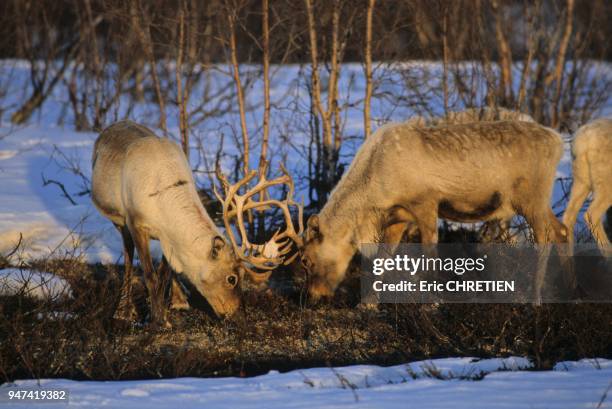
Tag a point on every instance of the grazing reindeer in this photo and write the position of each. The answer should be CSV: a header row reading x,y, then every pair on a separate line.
x,y
467,172
494,229
144,185
592,151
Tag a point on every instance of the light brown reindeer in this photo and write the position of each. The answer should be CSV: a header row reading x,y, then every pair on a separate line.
x,y
144,185
592,173
466,172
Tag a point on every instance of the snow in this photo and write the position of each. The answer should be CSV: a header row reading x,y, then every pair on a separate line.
x,y
35,284
49,224
506,384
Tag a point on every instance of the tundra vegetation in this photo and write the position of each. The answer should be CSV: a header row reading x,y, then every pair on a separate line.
x,y
203,74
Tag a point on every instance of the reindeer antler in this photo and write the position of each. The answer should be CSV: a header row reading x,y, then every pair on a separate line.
x,y
272,254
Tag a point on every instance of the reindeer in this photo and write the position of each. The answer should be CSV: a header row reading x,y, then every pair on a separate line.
x,y
144,186
466,173
592,150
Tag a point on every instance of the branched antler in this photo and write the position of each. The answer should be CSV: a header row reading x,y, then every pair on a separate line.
x,y
276,251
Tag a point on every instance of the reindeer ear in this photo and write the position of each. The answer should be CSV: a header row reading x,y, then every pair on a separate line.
x,y
217,244
313,222
313,226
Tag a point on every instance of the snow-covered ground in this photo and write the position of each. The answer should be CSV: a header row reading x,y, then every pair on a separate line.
x,y
440,383
44,286
48,223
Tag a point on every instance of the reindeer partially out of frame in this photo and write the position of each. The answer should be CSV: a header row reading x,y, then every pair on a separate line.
x,y
592,172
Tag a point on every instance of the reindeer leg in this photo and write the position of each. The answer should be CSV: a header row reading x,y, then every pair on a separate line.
x,y
426,216
155,286
178,301
504,231
178,298
547,229
564,245
593,217
579,193
125,309
392,236
540,235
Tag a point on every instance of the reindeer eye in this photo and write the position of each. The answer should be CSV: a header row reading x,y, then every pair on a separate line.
x,y
232,280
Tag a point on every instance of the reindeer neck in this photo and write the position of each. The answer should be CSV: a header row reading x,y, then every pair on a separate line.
x,y
354,213
353,202
189,229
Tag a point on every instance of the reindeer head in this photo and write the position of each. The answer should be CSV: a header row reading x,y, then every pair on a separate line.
x,y
220,287
259,260
325,255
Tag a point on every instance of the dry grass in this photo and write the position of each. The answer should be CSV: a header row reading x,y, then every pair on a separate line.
x,y
278,330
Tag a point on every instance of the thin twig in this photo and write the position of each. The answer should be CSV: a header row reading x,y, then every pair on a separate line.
x,y
61,186
15,248
604,396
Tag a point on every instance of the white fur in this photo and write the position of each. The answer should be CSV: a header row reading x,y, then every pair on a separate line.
x,y
144,183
